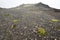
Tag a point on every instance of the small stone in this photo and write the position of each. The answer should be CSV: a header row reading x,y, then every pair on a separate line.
x,y
39,35
35,39
21,33
34,31
55,39
25,27
31,39
36,26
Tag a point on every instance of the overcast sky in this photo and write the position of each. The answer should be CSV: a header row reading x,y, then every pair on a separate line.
x,y
14,3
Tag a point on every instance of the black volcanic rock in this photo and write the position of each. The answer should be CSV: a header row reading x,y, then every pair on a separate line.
x,y
21,23
42,4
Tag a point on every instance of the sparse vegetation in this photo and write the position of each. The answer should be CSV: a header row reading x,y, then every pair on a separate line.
x,y
41,31
13,26
16,20
54,20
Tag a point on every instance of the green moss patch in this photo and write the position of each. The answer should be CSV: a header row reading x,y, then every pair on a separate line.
x,y
41,31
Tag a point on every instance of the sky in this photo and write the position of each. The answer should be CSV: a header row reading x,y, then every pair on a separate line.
x,y
14,3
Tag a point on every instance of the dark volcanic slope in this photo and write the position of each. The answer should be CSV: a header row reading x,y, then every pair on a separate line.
x,y
20,23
